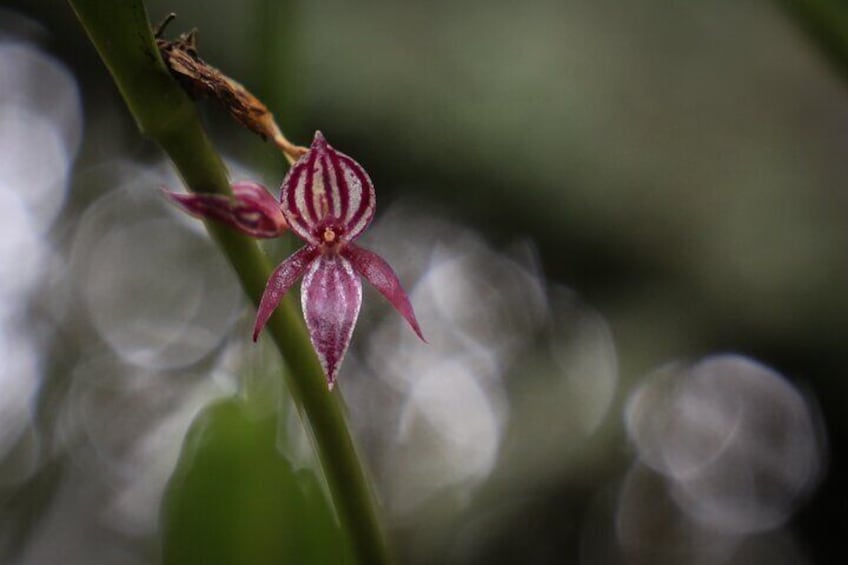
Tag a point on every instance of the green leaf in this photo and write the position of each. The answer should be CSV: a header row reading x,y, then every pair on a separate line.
x,y
234,498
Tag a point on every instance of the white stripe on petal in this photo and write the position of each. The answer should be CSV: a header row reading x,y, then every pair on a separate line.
x,y
355,190
301,214
318,191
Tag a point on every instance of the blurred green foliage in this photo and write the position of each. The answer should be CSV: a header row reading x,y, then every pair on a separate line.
x,y
234,499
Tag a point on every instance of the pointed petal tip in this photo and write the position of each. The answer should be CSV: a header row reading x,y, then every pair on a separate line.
x,y
169,194
319,140
258,325
420,335
412,321
189,203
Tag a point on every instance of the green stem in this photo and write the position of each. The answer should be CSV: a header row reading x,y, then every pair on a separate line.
x,y
121,33
826,21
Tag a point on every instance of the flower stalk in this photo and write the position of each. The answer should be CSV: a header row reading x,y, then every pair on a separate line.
x,y
121,33
826,22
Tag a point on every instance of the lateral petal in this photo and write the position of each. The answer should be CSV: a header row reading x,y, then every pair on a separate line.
x,y
383,278
331,296
257,207
280,281
252,210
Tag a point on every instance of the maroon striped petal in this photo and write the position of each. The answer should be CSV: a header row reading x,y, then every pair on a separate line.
x,y
280,281
327,189
331,296
251,210
380,274
257,207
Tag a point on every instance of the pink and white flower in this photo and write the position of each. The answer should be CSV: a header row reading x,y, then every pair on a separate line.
x,y
327,200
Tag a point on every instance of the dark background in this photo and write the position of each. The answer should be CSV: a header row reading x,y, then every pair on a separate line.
x,y
575,193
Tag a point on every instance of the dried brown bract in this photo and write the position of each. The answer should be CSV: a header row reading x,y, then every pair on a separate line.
x,y
202,80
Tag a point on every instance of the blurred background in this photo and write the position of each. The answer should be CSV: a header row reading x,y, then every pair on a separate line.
x,y
623,226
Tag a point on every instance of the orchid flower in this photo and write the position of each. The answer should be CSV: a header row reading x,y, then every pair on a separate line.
x,y
327,200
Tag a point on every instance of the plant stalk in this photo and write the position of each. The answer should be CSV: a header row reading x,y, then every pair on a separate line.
x,y
121,33
826,22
